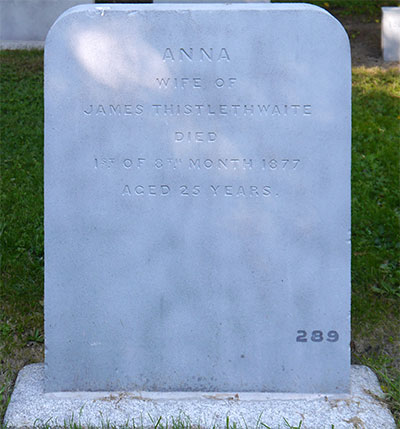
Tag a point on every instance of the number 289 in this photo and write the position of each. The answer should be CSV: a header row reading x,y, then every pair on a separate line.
x,y
317,337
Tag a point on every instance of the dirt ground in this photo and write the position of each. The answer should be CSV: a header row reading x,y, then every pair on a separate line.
x,y
365,39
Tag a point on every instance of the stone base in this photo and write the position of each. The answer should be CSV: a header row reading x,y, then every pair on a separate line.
x,y
364,407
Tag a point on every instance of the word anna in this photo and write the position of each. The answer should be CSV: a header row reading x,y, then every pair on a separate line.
x,y
199,54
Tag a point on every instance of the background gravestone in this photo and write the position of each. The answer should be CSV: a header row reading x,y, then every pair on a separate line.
x,y
30,20
390,39
197,199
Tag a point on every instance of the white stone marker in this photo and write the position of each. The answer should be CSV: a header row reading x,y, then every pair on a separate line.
x,y
391,33
197,199
30,20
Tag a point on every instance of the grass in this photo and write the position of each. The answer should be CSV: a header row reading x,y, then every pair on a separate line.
x,y
182,422
375,223
375,227
21,216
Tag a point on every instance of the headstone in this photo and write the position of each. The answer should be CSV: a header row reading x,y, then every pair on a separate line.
x,y
197,199
391,33
30,20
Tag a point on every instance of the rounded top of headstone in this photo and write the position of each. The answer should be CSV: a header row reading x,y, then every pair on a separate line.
x,y
98,11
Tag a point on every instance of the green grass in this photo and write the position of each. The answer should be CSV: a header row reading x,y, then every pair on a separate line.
x,y
375,222
182,422
162,423
376,227
21,215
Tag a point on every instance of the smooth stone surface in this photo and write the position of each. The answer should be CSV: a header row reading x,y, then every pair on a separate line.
x,y
391,33
30,20
197,230
364,407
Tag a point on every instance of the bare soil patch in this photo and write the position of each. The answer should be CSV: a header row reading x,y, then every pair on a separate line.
x,y
365,40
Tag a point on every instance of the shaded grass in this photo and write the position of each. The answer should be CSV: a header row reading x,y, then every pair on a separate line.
x,y
375,221
21,227
21,215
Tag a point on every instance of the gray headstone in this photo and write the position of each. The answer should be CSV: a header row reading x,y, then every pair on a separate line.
x,y
391,33
30,20
197,199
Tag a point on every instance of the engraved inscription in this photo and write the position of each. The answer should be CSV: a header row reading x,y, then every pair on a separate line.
x,y
241,191
196,54
187,190
193,164
129,163
238,191
195,136
150,190
317,337
193,82
249,110
246,110
179,83
104,162
183,137
114,110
